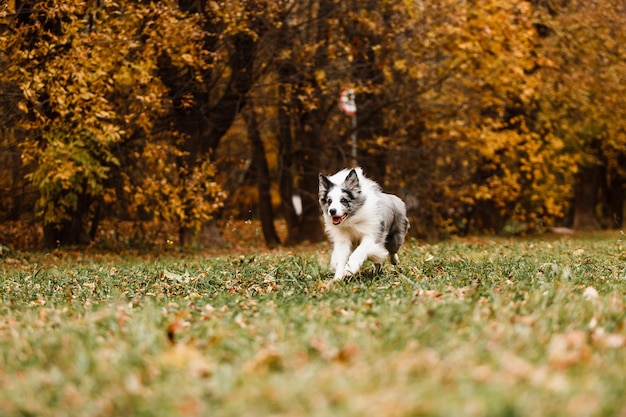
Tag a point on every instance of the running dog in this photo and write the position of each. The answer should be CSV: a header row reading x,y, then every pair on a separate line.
x,y
361,221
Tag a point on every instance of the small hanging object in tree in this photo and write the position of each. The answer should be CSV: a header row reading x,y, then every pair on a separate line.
x,y
347,102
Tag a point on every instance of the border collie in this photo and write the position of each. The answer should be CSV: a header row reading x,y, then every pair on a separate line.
x,y
361,221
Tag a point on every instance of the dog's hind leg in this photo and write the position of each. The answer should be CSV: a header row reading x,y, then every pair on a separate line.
x,y
395,239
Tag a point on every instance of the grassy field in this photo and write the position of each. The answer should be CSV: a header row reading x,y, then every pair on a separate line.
x,y
483,327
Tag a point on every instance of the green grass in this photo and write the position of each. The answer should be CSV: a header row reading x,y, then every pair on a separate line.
x,y
464,328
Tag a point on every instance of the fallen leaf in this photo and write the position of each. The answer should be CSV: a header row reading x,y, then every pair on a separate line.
x,y
174,327
187,357
267,359
172,276
590,294
565,350
608,340
347,353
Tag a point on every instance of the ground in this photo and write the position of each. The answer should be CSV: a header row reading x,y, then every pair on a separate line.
x,y
473,327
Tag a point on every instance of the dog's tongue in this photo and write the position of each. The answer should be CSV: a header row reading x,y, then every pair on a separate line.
x,y
338,219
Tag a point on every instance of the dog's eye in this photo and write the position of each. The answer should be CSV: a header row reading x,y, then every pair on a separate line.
x,y
344,201
329,201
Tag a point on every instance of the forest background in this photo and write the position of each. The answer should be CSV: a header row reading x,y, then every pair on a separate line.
x,y
484,116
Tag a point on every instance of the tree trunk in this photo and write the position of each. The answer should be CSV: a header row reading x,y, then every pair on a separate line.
x,y
73,231
310,228
613,207
300,139
586,198
206,123
285,159
259,161
309,131
209,236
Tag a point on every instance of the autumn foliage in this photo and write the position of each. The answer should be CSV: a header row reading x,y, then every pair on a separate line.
x,y
491,116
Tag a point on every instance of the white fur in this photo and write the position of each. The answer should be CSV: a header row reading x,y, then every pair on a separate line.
x,y
358,238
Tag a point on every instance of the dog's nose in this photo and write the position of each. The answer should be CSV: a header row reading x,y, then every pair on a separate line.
x,y
332,211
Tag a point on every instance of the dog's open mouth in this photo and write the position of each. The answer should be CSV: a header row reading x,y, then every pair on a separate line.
x,y
338,219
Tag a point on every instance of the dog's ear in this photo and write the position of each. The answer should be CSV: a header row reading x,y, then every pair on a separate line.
x,y
325,184
352,181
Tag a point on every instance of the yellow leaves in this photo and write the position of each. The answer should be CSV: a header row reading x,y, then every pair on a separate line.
x,y
7,8
320,77
67,168
546,62
188,101
102,90
557,144
580,97
400,65
482,192
187,59
22,106
450,77
173,193
525,171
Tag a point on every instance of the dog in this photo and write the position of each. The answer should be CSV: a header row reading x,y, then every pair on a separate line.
x,y
361,221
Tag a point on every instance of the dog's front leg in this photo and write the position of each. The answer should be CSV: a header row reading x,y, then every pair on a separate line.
x,y
339,258
368,249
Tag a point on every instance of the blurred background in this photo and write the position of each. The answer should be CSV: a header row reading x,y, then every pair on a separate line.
x,y
119,118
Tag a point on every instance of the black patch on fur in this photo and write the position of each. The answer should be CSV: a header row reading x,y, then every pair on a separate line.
x,y
351,182
348,194
396,235
324,187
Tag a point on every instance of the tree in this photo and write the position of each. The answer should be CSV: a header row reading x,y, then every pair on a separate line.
x,y
462,105
207,100
584,101
450,85
304,100
259,162
484,117
91,96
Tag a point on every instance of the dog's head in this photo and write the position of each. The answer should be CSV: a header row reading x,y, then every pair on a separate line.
x,y
340,200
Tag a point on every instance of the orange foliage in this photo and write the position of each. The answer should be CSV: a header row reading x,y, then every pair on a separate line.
x,y
477,114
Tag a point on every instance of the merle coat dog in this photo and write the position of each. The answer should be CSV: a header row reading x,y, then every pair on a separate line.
x,y
361,221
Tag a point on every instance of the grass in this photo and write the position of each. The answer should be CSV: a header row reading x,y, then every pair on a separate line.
x,y
482,327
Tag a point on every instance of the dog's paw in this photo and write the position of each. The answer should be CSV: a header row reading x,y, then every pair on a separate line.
x,y
350,270
332,282
339,275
